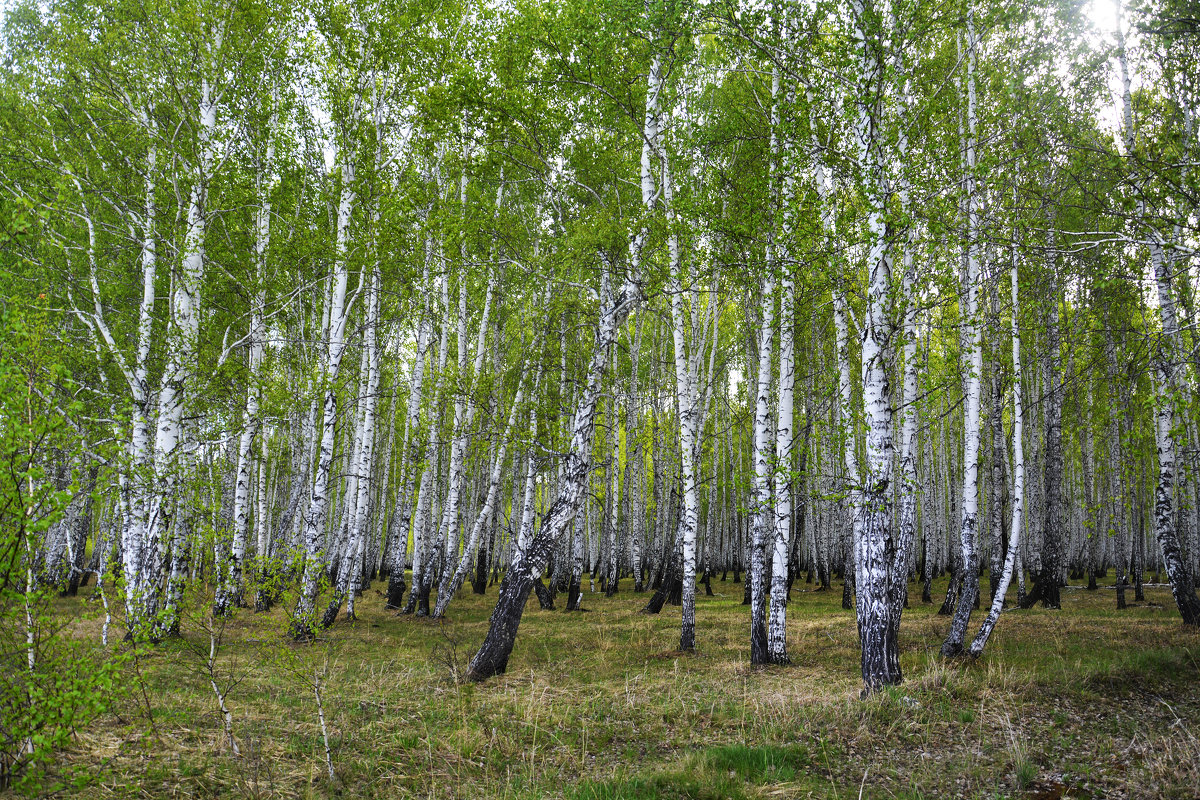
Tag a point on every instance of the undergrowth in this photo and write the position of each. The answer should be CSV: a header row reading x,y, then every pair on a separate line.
x,y
1082,702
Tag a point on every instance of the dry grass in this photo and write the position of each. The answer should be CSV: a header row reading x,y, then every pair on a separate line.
x,y
1083,702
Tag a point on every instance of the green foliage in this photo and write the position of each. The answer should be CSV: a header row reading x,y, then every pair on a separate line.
x,y
51,685
71,685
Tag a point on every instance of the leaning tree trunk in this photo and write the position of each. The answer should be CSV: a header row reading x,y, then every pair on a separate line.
x,y
1018,509
493,654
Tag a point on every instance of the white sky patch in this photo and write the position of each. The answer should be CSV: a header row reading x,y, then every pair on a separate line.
x,y
1105,16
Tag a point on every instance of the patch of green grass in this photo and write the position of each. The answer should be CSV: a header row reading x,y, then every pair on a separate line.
x,y
674,786
1025,773
756,764
723,771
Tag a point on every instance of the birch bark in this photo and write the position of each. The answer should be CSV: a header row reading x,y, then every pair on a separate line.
x,y
1167,385
303,621
349,576
782,517
968,530
874,547
410,458
1018,507
492,656
229,592
762,524
449,587
171,462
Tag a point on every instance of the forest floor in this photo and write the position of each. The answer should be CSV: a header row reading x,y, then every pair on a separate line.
x,y
1085,702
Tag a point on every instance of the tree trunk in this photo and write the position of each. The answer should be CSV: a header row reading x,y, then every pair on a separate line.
x,y
493,654
968,531
1014,540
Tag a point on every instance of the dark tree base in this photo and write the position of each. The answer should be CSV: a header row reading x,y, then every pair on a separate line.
x,y
331,611
480,582
492,658
675,591
687,639
300,633
1045,591
395,592
657,601
759,654
426,589
544,595
952,591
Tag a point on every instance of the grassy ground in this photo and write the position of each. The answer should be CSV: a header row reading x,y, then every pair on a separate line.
x,y
1082,702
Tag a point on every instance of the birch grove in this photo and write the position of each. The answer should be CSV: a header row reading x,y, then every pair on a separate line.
x,y
557,299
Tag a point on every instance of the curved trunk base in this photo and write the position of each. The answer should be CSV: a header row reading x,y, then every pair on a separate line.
x,y
492,658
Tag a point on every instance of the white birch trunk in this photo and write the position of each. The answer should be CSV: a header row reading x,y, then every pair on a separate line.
x,y
229,591
422,533
874,548
782,520
686,379
410,457
908,426
762,524
183,330
464,417
134,520
777,625
493,654
1166,386
1018,509
968,530
366,454
314,518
